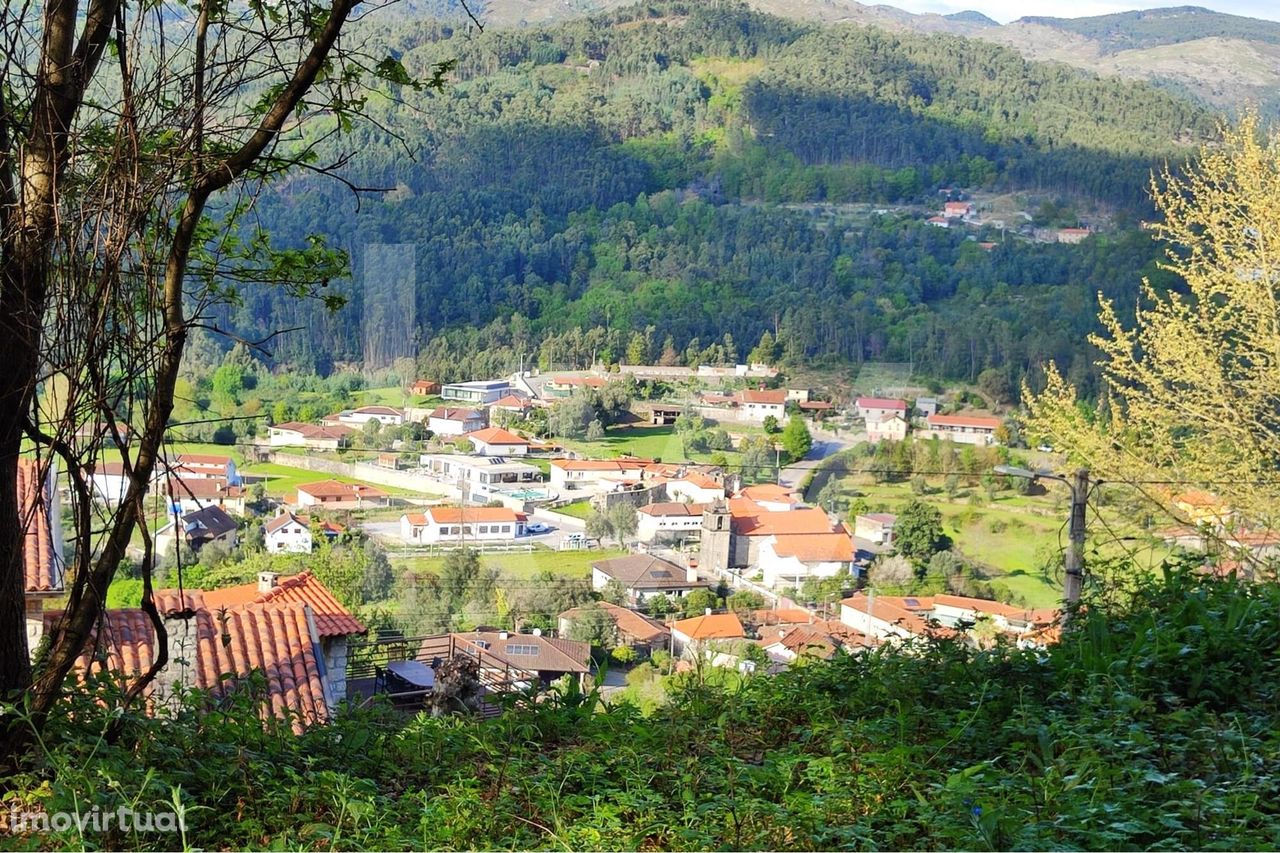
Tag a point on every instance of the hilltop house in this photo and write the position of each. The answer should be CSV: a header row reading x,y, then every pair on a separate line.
x,y
424,388
543,658
480,392
596,474
876,527
707,633
892,428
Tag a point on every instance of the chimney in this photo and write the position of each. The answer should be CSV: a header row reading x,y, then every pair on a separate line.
x,y
267,581
691,574
502,635
180,672
707,612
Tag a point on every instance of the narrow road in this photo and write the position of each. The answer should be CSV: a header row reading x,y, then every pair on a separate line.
x,y
825,445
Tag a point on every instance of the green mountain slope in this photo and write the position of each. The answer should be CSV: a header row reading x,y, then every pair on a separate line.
x,y
662,171
1154,27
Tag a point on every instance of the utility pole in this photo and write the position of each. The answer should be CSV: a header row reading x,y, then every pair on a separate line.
x,y
1079,484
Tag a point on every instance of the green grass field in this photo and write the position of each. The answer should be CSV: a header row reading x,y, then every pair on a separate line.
x,y
389,396
1015,535
283,479
522,564
578,509
660,443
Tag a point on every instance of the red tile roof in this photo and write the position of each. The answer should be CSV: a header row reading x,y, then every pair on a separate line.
x,y
816,405
815,547
40,570
511,401
273,638
333,488
667,509
202,488
311,431
776,398
887,403
770,493
762,522
717,626
553,654
449,413
332,619
497,435
203,459
974,421
468,515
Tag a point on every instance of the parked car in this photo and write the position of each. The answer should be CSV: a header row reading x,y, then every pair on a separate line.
x,y
537,527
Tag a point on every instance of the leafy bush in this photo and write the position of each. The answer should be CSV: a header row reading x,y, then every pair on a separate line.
x,y
1154,723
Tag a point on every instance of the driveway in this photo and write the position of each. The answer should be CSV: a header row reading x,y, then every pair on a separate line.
x,y
824,446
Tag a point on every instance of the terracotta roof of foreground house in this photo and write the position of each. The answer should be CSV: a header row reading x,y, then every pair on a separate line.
x,y
331,617
333,488
40,570
273,638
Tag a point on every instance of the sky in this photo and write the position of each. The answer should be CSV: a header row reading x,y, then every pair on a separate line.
x,y
1009,10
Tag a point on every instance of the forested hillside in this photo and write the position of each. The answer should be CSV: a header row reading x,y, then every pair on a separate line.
x,y
1152,27
658,171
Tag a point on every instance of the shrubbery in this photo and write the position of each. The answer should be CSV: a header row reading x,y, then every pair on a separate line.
x,y
1153,723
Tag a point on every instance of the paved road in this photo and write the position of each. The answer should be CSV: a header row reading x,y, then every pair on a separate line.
x,y
824,446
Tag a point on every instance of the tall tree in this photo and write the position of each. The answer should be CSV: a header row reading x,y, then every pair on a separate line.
x,y
1193,386
133,138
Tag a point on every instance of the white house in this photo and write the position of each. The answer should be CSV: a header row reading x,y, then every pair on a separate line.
x,y
964,429
496,441
295,434
287,533
211,467
878,408
191,494
462,524
710,633
595,474
892,428
109,482
875,527
483,475
758,405
791,559
385,415
480,392
668,521
446,420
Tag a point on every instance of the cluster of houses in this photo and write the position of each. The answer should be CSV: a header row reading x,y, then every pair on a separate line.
x,y
1212,526
890,419
956,212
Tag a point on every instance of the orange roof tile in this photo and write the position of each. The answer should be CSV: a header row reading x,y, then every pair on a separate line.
x,y
975,421
717,626
776,398
497,435
815,547
273,638
333,488
469,515
770,492
40,570
331,618
780,523
511,401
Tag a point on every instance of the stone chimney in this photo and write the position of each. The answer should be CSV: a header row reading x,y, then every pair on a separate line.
x,y
267,581
180,672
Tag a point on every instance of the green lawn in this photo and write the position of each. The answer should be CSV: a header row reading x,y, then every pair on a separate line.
x,y
660,443
577,509
520,563
390,396
284,479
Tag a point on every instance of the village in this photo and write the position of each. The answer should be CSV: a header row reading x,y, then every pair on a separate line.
x,y
741,566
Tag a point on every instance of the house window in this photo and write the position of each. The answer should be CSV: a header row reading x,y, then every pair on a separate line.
x,y
484,528
506,528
